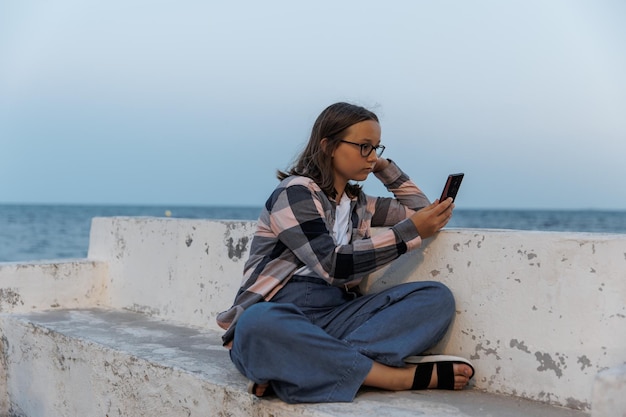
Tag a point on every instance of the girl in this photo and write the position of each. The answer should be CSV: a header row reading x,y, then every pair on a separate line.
x,y
299,326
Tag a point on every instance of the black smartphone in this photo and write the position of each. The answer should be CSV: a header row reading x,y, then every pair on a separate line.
x,y
452,186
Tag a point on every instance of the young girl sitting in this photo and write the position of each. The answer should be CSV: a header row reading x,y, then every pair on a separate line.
x,y
299,327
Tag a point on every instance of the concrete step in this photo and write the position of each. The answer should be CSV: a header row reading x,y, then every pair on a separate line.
x,y
104,362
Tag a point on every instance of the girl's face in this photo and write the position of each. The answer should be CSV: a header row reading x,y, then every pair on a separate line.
x,y
348,163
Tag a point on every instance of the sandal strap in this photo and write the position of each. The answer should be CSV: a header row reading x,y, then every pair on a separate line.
x,y
423,374
424,371
438,359
445,375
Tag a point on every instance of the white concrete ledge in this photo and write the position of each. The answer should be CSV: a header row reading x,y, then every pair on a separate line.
x,y
72,283
105,362
177,269
540,314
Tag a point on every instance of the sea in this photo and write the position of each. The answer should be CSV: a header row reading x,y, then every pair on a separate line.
x,y
46,232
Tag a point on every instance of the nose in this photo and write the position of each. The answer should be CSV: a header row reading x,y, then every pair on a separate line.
x,y
372,157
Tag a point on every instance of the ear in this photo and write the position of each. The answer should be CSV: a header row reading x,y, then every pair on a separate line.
x,y
324,145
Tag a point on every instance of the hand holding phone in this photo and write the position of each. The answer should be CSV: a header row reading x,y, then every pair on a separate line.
x,y
452,186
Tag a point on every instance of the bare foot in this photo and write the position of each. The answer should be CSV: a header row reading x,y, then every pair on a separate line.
x,y
259,389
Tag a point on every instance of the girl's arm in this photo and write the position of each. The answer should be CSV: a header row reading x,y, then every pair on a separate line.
x,y
298,219
407,199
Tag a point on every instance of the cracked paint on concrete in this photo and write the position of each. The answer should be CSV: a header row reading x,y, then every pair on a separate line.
x,y
480,347
237,246
519,345
238,249
9,297
529,256
584,362
548,364
576,404
121,243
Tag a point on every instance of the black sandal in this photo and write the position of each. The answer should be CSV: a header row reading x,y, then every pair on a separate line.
x,y
445,372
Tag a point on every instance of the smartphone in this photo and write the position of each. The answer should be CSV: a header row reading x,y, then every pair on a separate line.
x,y
452,186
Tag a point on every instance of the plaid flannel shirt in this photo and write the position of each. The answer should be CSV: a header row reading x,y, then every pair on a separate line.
x,y
295,229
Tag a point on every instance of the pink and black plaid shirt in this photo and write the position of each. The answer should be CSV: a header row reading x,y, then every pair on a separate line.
x,y
295,230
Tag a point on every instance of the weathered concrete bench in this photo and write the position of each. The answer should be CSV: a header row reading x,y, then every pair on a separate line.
x,y
130,330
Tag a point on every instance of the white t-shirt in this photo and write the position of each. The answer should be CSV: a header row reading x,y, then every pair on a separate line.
x,y
341,230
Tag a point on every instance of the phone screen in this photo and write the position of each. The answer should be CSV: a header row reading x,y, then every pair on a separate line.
x,y
452,186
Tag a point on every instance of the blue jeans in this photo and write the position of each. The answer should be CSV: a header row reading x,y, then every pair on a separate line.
x,y
316,343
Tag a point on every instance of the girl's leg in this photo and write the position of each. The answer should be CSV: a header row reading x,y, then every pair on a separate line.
x,y
401,321
398,322
276,343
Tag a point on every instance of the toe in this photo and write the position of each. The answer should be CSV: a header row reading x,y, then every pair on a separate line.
x,y
462,374
260,389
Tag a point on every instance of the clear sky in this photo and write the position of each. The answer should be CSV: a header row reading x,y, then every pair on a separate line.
x,y
199,102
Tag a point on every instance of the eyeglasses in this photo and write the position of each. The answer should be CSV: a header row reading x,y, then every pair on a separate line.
x,y
367,148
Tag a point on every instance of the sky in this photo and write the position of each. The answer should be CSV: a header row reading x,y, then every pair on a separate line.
x,y
152,102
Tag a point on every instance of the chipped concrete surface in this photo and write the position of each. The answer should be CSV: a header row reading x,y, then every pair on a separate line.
x,y
192,267
128,364
557,295
45,285
540,314
10,299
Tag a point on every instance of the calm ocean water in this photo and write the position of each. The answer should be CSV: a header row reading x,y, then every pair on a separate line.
x,y
38,232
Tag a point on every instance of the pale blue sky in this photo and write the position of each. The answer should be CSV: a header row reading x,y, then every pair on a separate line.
x,y
199,102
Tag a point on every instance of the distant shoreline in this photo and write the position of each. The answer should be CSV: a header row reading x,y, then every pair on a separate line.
x,y
256,207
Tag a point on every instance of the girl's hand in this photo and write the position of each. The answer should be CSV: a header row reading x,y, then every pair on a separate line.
x,y
381,163
433,217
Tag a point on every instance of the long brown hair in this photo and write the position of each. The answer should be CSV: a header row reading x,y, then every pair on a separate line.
x,y
315,162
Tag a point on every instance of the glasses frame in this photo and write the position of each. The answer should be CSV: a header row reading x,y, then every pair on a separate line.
x,y
378,148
